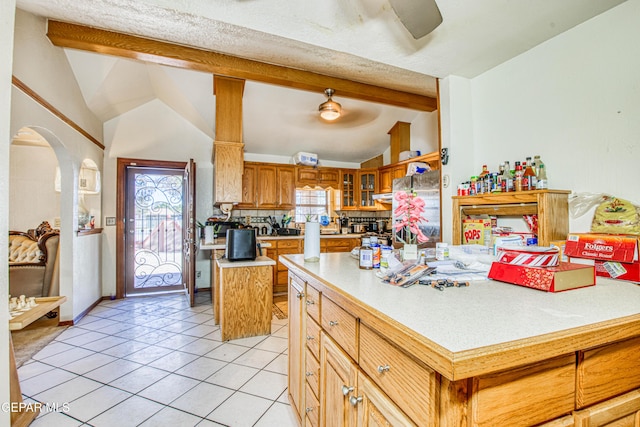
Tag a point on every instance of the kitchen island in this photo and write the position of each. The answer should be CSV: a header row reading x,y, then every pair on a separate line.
x,y
245,297
488,354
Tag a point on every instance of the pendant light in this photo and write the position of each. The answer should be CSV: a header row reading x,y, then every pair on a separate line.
x,y
330,110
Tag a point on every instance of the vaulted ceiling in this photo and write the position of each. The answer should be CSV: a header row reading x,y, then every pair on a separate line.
x,y
359,40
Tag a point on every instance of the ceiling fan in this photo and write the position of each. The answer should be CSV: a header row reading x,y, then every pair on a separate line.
x,y
420,17
330,111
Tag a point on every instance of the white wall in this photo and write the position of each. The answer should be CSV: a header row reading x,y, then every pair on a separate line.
x,y
7,9
53,82
574,100
171,139
42,202
45,70
424,135
456,121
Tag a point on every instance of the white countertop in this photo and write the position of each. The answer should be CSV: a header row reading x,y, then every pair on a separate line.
x,y
485,313
220,242
258,262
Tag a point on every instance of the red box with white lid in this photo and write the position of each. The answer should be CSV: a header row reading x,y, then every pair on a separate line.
x,y
614,255
532,256
562,277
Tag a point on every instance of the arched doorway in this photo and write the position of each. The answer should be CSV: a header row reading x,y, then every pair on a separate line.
x,y
33,196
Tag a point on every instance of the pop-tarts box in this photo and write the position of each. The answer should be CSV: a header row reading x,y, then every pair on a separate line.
x,y
614,255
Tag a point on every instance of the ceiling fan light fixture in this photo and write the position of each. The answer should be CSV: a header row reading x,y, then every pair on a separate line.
x,y
330,110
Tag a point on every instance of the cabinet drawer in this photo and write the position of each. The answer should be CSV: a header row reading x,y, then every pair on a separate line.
x,y
340,325
313,337
281,266
288,243
528,396
312,408
337,242
282,277
312,372
599,372
399,376
313,303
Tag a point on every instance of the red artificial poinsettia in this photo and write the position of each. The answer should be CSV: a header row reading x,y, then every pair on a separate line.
x,y
409,211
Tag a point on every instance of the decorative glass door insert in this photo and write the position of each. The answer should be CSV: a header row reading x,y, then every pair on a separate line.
x,y
154,230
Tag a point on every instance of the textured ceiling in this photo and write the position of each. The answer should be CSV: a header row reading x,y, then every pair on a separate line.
x,y
361,40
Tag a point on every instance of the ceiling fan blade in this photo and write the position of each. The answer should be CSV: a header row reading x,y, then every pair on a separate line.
x,y
420,17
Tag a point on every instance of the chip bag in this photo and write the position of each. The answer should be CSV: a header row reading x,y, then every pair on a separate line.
x,y
616,216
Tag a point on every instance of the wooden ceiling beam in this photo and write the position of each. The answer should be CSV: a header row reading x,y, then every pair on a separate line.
x,y
111,43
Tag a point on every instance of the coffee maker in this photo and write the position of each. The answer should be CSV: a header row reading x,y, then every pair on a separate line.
x,y
241,244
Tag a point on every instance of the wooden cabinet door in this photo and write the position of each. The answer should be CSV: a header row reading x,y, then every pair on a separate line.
x,y
387,174
249,194
328,177
399,172
348,189
297,331
621,411
385,178
367,187
375,408
306,175
267,186
337,385
286,180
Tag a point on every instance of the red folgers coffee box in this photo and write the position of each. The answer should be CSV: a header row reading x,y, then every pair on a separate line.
x,y
562,277
618,270
615,255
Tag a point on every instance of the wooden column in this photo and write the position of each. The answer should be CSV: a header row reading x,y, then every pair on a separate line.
x,y
228,157
400,140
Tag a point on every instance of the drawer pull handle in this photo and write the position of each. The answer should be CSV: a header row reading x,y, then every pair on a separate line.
x,y
310,302
309,374
333,323
310,337
346,390
382,369
355,400
308,410
300,295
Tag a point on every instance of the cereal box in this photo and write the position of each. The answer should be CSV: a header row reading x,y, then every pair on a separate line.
x,y
476,231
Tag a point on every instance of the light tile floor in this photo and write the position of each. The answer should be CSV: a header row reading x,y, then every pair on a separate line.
x,y
155,361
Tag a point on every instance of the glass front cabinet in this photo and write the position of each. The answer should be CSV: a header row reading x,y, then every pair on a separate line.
x,y
348,188
358,187
367,180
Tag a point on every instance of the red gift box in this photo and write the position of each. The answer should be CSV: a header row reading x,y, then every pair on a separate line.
x,y
534,256
562,277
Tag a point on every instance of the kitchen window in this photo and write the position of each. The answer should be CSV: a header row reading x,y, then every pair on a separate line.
x,y
313,203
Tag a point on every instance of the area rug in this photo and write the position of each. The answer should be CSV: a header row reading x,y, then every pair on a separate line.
x,y
28,342
280,307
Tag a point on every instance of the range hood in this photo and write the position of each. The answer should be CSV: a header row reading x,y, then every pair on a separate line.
x,y
383,197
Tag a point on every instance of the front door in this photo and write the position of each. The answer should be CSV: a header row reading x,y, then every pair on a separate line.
x,y
189,226
156,226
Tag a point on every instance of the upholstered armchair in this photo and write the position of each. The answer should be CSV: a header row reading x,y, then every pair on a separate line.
x,y
33,262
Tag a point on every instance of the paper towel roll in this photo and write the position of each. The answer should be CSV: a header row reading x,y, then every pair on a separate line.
x,y
208,234
312,242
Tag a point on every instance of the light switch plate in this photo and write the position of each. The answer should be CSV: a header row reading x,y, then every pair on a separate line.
x,y
110,220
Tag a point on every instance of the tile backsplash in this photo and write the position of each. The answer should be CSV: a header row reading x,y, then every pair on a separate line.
x,y
259,218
